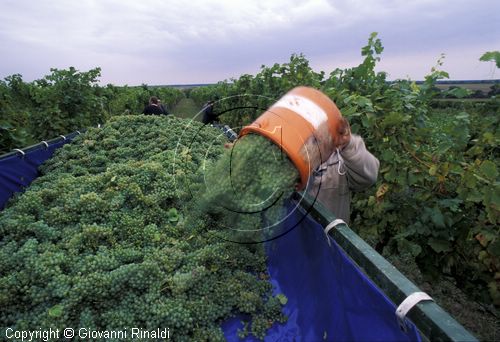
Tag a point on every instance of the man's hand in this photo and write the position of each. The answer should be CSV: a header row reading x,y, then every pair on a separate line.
x,y
343,134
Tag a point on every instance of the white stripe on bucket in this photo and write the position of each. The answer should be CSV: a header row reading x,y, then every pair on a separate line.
x,y
304,107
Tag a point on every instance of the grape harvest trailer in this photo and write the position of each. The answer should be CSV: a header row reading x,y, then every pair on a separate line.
x,y
337,287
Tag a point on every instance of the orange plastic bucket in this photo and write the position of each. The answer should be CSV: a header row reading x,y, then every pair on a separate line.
x,y
303,123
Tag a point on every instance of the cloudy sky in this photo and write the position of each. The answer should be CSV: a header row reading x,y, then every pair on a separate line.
x,y
196,41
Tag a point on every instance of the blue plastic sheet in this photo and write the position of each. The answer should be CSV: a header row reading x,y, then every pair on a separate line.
x,y
18,171
329,298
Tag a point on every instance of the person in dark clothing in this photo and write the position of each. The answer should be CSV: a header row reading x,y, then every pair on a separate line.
x,y
208,113
163,107
154,107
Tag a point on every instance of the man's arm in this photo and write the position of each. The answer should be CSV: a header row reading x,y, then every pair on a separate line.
x,y
164,109
361,166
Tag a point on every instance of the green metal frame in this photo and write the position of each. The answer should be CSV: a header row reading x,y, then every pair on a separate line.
x,y
433,322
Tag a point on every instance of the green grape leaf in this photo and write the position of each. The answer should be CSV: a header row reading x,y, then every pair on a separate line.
x,y
493,56
494,247
437,218
489,169
433,169
439,245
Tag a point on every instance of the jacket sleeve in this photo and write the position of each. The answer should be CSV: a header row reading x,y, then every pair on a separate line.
x,y
360,165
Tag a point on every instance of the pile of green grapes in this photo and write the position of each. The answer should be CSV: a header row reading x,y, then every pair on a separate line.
x,y
114,234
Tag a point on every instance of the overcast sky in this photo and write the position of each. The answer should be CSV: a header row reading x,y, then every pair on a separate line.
x,y
195,41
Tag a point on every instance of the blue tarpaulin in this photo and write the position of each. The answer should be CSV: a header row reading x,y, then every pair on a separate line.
x,y
17,171
329,298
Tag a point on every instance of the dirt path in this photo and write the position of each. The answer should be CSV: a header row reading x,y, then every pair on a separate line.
x,y
186,108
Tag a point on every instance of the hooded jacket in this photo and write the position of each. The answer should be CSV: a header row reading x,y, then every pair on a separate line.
x,y
351,169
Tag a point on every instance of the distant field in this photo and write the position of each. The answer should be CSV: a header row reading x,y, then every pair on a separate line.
x,y
484,86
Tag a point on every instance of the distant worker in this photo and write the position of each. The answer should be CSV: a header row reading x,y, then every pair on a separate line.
x,y
163,107
208,113
154,107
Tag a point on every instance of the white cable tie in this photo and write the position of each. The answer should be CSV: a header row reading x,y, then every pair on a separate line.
x,y
20,151
62,136
45,143
78,132
407,305
332,225
341,163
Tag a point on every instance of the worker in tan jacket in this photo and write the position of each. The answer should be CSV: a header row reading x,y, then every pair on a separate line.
x,y
349,168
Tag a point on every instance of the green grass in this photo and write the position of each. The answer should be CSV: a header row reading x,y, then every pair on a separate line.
x,y
186,108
